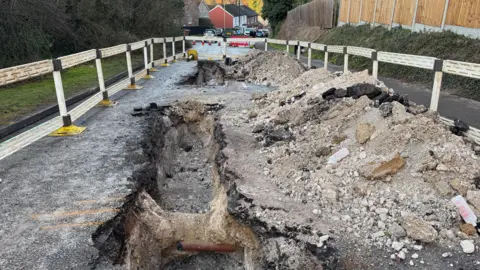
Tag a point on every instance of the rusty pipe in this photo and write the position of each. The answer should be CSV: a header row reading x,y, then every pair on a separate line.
x,y
205,247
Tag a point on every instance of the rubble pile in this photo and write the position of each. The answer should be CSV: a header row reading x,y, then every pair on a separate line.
x,y
266,68
371,166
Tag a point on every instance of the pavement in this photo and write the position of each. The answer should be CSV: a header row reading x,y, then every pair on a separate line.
x,y
450,106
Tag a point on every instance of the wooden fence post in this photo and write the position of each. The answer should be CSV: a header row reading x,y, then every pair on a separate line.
x,y
152,59
374,12
375,65
437,84
173,50
325,60
345,59
309,55
445,11
360,13
106,102
288,47
266,44
132,85
348,13
414,16
145,60
299,48
393,14
68,128
165,59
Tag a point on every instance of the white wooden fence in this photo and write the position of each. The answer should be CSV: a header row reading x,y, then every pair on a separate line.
x,y
27,71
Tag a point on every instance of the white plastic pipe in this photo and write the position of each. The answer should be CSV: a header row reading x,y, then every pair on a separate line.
x,y
101,82
62,106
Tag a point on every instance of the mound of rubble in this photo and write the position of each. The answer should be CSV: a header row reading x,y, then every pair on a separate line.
x,y
368,167
266,68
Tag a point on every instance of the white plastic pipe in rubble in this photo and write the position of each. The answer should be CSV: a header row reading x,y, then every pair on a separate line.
x,y
129,64
62,106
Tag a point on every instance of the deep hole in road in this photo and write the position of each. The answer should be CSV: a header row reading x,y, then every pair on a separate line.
x,y
179,196
207,73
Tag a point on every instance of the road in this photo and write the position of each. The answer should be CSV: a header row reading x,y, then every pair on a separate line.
x,y
451,106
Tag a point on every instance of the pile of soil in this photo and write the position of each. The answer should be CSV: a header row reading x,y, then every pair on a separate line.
x,y
393,189
266,68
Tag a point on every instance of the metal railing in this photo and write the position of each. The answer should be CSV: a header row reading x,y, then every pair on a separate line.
x,y
55,66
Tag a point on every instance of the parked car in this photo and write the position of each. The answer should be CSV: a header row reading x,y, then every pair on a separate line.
x,y
209,33
260,33
218,32
248,31
266,33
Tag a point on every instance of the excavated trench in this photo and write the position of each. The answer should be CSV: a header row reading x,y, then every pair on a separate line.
x,y
208,73
179,199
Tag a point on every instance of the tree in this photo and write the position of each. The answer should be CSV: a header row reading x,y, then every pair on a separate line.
x,y
256,5
276,11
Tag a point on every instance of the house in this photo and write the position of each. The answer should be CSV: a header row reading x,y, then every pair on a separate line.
x,y
191,13
204,9
233,16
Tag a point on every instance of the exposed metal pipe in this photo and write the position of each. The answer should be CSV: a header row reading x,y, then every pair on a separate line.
x,y
205,247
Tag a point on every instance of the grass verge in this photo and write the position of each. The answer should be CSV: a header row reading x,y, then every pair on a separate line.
x,y
443,45
20,100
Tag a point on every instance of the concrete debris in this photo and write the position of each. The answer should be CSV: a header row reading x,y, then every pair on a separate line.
x,y
397,245
397,231
401,255
338,156
272,68
419,229
414,256
364,132
468,229
473,197
467,246
386,109
447,255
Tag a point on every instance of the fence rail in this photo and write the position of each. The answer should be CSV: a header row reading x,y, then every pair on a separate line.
x,y
27,71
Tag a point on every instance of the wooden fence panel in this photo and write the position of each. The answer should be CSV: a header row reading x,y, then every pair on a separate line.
x,y
404,12
464,13
384,11
430,12
355,11
317,13
367,10
343,11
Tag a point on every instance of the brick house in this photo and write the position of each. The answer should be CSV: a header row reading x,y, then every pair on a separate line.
x,y
233,16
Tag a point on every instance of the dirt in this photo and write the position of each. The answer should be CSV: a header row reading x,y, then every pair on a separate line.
x,y
208,73
274,195
267,68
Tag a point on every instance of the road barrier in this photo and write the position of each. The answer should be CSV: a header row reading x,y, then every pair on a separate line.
x,y
62,125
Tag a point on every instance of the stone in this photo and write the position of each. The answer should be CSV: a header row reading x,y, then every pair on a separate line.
x,y
468,229
378,234
443,188
324,238
281,118
447,255
337,139
393,256
442,167
363,155
419,229
257,96
417,247
400,115
258,128
397,231
401,255
278,135
459,186
323,151
315,211
411,263
450,235
467,246
381,171
386,109
364,89
473,197
397,245
340,93
414,256
252,114
364,132
330,195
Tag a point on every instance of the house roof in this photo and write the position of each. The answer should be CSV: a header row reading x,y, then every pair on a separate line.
x,y
242,10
